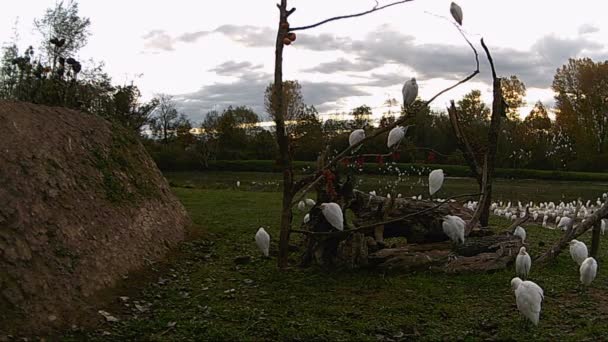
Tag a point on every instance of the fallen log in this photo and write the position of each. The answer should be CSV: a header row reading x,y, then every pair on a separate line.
x,y
480,254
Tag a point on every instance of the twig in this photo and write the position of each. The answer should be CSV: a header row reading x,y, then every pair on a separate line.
x,y
376,8
307,232
485,48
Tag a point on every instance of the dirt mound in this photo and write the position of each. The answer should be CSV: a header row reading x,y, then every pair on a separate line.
x,y
81,205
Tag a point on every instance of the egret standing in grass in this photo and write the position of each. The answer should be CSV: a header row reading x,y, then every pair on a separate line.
x,y
453,227
262,239
578,251
355,137
238,184
395,136
409,91
528,297
588,271
604,226
519,231
333,214
523,262
456,12
435,181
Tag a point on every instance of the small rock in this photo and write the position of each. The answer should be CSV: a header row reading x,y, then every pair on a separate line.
x,y
141,308
106,333
52,318
124,298
248,281
243,259
171,324
108,316
229,291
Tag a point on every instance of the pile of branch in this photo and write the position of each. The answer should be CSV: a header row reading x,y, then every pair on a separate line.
x,y
477,254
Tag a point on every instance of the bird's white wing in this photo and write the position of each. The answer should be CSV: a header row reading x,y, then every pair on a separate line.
x,y
262,239
395,136
356,136
435,181
333,215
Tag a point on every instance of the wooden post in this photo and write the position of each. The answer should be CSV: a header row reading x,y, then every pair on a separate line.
x,y
595,240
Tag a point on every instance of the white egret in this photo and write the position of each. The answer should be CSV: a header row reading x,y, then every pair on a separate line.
x,y
519,231
604,226
523,262
456,12
301,206
356,136
453,227
588,271
306,218
238,183
395,136
564,223
435,181
262,239
410,92
528,296
578,251
333,214
310,202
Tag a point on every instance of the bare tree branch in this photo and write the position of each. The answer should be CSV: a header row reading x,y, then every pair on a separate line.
x,y
485,48
376,8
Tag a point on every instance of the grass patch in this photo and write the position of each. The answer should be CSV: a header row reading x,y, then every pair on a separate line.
x,y
206,296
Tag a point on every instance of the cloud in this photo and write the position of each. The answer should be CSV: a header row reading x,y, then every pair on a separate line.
x,y
587,29
158,40
535,66
252,36
231,68
248,90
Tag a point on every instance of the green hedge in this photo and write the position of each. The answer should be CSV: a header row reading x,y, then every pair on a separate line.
x,y
373,168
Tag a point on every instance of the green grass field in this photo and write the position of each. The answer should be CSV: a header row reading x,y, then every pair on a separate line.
x,y
203,295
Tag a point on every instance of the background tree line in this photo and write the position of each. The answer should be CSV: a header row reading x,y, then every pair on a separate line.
x,y
576,140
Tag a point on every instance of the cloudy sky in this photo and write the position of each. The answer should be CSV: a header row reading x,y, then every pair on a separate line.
x,y
213,54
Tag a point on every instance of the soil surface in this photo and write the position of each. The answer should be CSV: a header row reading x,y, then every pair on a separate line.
x,y
81,205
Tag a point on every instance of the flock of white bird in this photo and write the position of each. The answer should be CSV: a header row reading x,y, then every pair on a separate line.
x,y
528,295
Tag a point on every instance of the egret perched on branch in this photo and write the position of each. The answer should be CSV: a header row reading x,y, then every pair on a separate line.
x,y
356,136
310,202
435,181
528,297
588,271
395,136
333,214
262,239
519,231
456,13
410,92
453,227
578,251
301,206
523,262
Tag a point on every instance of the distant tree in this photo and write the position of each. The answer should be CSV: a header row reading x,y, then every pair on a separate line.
x,y
165,119
581,88
538,119
129,111
472,109
361,117
514,93
292,95
308,134
235,128
64,32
